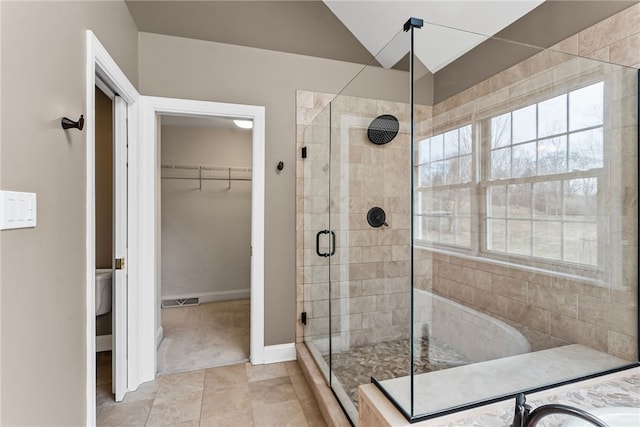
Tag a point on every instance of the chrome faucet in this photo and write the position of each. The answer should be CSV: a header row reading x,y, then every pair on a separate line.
x,y
526,417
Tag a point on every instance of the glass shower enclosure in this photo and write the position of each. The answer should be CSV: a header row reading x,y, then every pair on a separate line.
x,y
458,249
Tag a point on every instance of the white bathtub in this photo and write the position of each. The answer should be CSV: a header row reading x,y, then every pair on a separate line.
x,y
475,335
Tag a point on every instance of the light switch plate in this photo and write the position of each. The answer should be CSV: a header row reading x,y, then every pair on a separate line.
x,y
17,210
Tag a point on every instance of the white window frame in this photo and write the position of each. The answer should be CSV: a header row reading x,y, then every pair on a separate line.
x,y
470,185
480,183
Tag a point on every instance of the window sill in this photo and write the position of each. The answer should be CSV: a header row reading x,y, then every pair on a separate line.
x,y
598,281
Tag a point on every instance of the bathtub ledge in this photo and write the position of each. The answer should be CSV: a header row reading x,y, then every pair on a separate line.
x,y
376,410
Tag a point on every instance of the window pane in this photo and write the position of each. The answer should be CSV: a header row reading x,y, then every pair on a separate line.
x,y
425,202
547,240
439,216
462,226
519,201
581,243
453,171
501,163
586,107
496,235
443,202
463,231
523,162
519,237
585,150
465,139
552,116
580,199
463,202
423,150
501,131
465,168
445,225
438,173
451,144
423,175
437,147
552,155
497,203
547,200
524,124
426,232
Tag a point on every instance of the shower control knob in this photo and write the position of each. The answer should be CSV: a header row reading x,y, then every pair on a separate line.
x,y
376,217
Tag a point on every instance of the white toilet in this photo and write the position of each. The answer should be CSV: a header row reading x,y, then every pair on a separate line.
x,y
103,291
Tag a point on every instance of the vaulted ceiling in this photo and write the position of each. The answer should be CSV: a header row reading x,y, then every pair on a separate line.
x,y
357,30
353,31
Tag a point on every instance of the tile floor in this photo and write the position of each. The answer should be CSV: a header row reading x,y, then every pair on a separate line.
x,y
236,395
203,336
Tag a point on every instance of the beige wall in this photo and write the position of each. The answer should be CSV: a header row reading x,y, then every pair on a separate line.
x,y
43,269
104,180
193,69
206,233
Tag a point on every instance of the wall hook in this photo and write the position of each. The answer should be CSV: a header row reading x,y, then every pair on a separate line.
x,y
280,166
69,124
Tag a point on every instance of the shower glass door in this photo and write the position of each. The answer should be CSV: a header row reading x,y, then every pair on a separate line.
x,y
315,225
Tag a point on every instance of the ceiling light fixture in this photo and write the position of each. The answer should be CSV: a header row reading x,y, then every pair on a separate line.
x,y
244,124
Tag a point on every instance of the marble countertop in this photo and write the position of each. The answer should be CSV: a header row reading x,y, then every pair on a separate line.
x,y
618,389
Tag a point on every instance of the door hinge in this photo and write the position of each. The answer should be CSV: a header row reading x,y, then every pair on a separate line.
x,y
304,152
120,263
303,317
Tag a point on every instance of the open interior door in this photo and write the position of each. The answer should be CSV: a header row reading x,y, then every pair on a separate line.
x,y
120,369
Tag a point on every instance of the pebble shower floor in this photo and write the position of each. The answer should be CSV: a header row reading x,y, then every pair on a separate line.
x,y
390,360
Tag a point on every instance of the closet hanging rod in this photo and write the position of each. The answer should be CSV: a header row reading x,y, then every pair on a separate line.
x,y
208,168
200,169
206,178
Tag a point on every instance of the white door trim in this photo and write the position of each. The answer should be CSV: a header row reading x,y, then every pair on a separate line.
x,y
145,161
98,63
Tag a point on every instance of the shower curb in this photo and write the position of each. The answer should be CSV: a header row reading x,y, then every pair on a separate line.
x,y
327,403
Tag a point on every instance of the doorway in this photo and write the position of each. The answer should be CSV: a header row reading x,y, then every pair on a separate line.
x,y
111,242
147,160
205,210
104,244
142,332
102,71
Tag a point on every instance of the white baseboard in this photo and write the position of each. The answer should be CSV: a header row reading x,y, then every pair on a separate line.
x,y
159,336
104,343
214,296
279,353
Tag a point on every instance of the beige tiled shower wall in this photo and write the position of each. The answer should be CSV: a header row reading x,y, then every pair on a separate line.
x,y
557,309
370,270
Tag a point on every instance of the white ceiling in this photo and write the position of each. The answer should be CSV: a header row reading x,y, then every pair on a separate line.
x,y
459,26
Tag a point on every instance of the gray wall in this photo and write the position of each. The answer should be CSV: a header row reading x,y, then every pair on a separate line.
x,y
206,233
43,269
193,69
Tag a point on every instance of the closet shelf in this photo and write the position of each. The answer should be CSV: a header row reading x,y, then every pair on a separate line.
x,y
207,173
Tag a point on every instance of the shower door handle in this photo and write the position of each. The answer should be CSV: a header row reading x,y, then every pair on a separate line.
x,y
333,243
